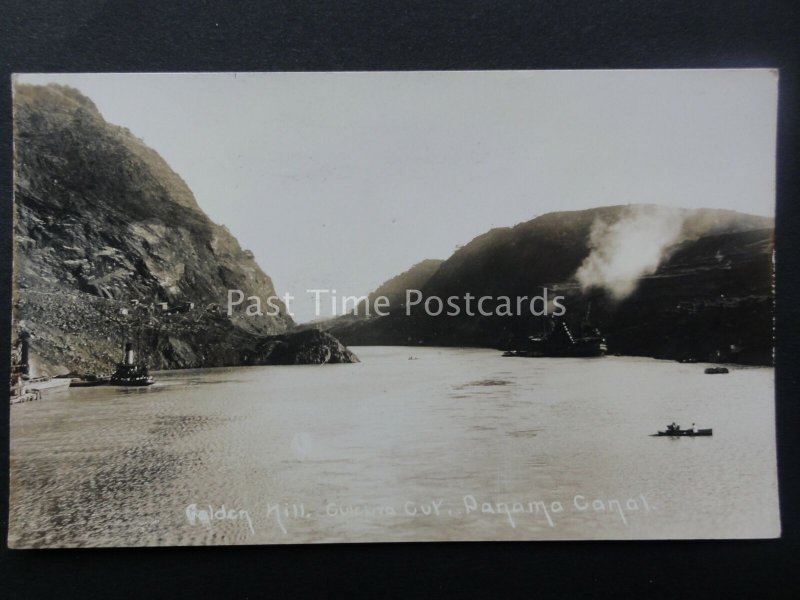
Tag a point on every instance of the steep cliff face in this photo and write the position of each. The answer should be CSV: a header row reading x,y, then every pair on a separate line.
x,y
104,227
658,281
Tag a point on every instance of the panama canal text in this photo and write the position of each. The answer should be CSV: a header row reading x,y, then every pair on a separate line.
x,y
510,513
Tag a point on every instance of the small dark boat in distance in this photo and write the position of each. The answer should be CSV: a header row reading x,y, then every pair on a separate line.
x,y
716,371
676,431
130,374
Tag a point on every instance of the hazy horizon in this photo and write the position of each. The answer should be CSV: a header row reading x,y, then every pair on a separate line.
x,y
316,172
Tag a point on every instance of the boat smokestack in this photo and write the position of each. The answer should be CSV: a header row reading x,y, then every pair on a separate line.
x,y
128,353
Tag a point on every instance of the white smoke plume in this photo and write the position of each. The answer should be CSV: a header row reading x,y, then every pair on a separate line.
x,y
630,248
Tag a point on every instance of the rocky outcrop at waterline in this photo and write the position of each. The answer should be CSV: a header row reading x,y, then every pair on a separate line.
x,y
110,245
58,322
309,347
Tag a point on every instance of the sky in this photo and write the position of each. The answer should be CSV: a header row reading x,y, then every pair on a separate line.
x,y
343,180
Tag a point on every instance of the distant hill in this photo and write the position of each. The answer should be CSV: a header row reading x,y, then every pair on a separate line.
x,y
658,281
103,227
414,278
394,290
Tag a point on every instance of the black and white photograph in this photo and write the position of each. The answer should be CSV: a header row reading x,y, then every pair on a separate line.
x,y
412,306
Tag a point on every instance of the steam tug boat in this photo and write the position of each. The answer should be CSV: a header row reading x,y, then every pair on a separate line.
x,y
128,373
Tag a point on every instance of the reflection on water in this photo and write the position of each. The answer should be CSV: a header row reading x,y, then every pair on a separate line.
x,y
460,444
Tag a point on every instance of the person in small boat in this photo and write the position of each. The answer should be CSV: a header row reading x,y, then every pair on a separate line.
x,y
673,427
694,428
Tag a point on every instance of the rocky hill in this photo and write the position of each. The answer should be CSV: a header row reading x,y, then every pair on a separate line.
x,y
657,281
111,244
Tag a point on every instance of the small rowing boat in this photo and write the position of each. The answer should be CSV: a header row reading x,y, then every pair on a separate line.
x,y
684,432
716,371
